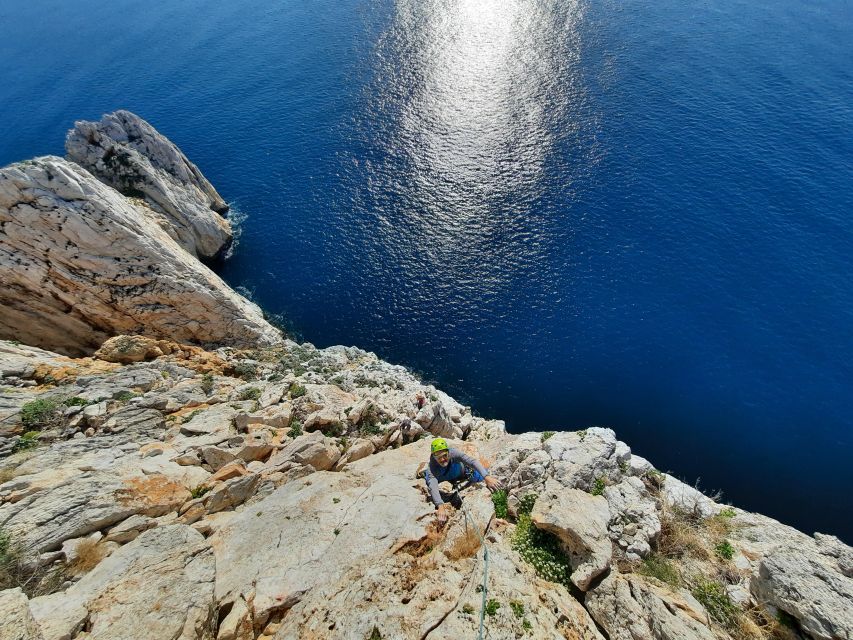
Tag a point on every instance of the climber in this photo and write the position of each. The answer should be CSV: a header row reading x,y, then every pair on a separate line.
x,y
455,467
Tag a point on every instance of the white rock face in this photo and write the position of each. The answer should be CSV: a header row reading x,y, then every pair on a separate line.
x,y
158,586
630,608
16,620
580,521
809,588
79,263
127,153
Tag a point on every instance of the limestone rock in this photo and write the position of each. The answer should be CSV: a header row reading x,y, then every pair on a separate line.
x,y
231,493
580,521
90,502
352,517
130,529
357,450
807,587
630,608
128,154
312,449
582,457
634,522
16,619
111,270
127,349
158,586
325,420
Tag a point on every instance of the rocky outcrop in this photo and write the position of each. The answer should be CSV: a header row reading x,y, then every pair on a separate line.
x,y
128,154
158,586
208,513
17,619
79,263
580,521
807,586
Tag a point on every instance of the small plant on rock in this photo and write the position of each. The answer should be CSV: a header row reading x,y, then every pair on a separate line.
x,y
41,414
26,442
725,550
252,393
199,491
598,486
467,609
525,505
499,500
125,396
295,429
716,601
547,435
248,371
657,566
207,383
492,607
75,402
297,390
542,551
517,608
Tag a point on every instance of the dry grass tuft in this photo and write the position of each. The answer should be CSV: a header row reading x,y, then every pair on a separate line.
x,y
424,545
681,535
89,555
464,546
8,473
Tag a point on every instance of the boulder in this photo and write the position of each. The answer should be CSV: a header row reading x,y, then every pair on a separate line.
x,y
17,619
312,449
580,521
231,493
580,458
628,607
111,269
325,420
127,349
803,584
88,502
130,529
158,586
128,154
359,449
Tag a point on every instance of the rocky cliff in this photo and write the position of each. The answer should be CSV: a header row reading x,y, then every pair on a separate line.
x,y
80,262
268,489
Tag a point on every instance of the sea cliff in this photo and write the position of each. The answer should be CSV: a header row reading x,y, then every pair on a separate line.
x,y
172,466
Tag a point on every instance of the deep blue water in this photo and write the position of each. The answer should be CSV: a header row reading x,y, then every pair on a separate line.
x,y
616,212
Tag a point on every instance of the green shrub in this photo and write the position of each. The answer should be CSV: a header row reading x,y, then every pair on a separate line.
x,y
499,500
525,624
199,491
125,396
207,383
598,486
252,393
728,512
295,429
716,601
27,441
725,550
525,505
582,434
248,371
542,551
492,607
467,608
547,435
297,390
659,567
41,413
75,402
517,608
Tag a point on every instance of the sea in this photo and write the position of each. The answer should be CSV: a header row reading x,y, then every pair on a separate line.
x,y
565,213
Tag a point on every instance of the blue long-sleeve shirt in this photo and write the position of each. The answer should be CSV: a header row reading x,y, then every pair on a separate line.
x,y
453,472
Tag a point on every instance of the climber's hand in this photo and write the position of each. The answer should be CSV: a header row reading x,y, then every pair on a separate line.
x,y
493,484
441,514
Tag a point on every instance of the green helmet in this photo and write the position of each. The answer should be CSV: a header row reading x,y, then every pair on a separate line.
x,y
439,444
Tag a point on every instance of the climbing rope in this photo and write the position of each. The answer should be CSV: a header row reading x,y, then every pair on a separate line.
x,y
470,520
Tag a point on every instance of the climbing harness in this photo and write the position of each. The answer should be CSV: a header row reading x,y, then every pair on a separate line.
x,y
471,522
